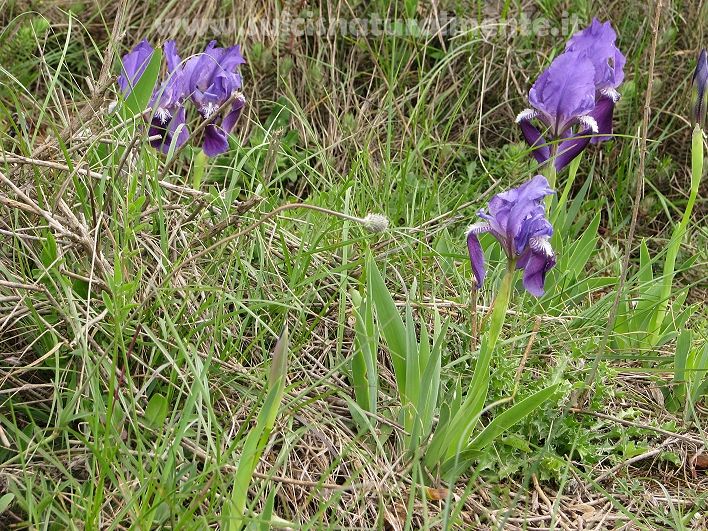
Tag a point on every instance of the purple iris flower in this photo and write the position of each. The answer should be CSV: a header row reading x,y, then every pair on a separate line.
x,y
597,42
562,98
699,100
134,64
167,104
574,98
213,78
517,219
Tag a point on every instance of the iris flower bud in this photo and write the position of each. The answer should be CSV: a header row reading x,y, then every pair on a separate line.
x,y
699,98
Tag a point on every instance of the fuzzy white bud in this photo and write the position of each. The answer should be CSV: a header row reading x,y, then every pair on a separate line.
x,y
375,222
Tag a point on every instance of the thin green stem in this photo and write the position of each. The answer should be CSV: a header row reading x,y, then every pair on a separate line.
x,y
550,171
678,235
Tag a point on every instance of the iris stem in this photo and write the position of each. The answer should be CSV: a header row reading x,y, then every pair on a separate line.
x,y
678,234
500,306
467,416
572,173
550,173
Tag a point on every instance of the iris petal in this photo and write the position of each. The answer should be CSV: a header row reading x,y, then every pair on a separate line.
x,y
565,90
602,113
476,257
571,148
597,43
579,86
171,56
176,126
215,141
535,268
234,114
517,219
540,149
213,78
528,198
133,66
537,260
699,97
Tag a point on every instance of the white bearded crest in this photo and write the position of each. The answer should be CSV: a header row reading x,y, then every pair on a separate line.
x,y
526,115
540,244
209,109
589,122
477,228
611,93
163,115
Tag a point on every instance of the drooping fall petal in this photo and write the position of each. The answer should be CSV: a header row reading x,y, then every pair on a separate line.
x,y
602,113
570,148
540,150
476,252
535,267
215,141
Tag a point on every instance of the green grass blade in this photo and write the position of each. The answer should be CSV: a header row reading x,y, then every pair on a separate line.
x,y
364,367
390,324
430,381
677,237
258,436
139,98
699,375
468,415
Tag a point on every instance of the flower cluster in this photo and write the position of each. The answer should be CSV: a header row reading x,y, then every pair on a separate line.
x,y
209,80
517,219
574,98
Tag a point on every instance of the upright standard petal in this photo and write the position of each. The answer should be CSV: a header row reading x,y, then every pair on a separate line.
x,y
171,56
564,91
597,43
203,69
527,201
173,90
699,98
535,189
133,66
227,59
534,229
